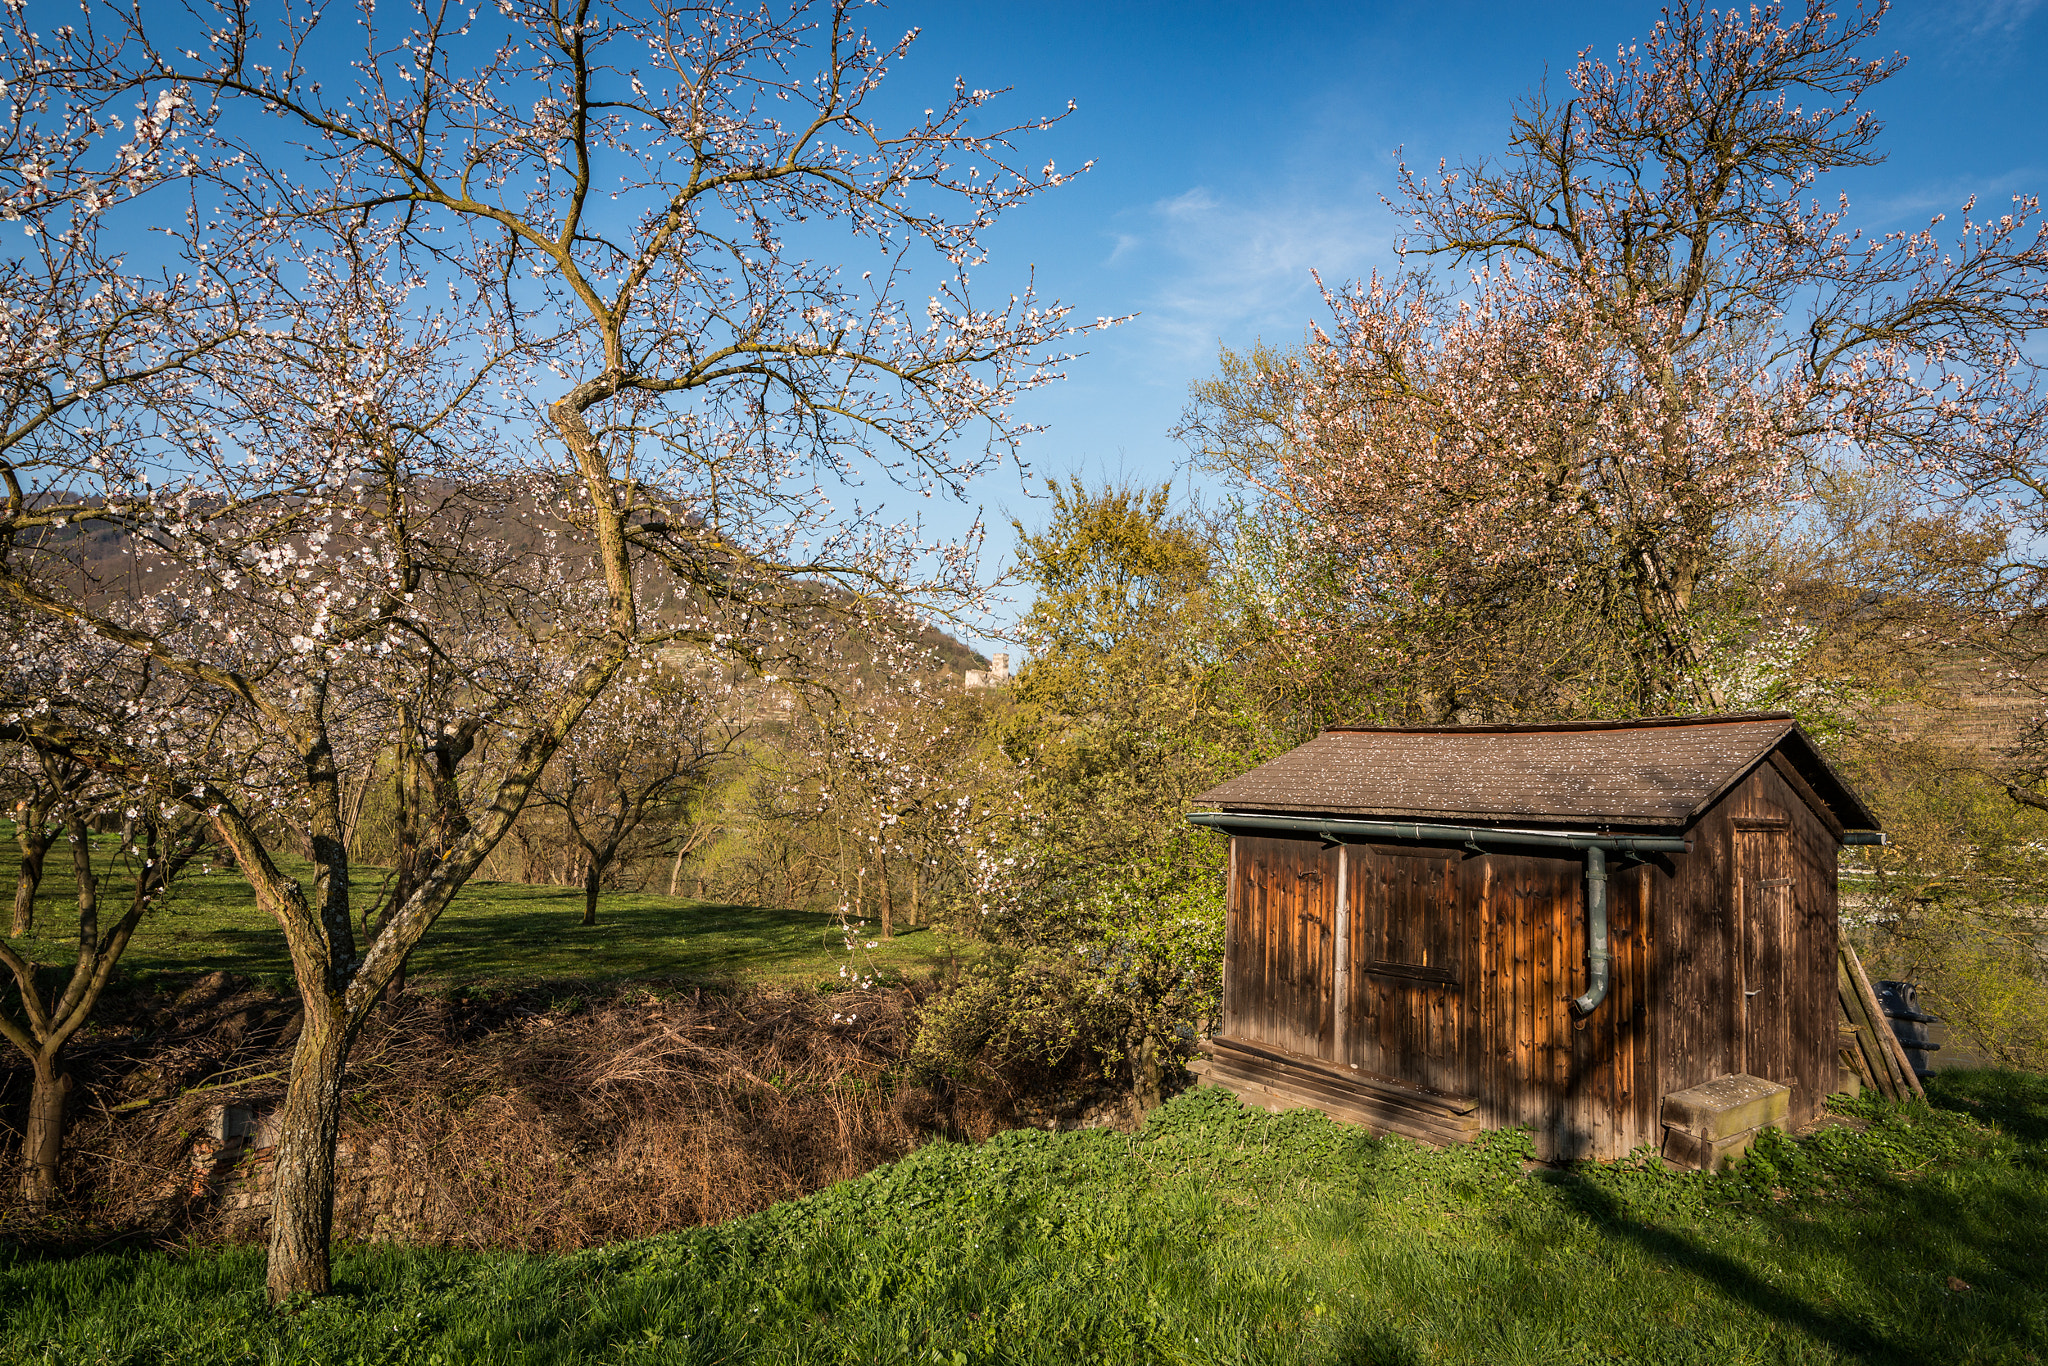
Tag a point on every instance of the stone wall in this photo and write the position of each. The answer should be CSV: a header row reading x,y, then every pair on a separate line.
x,y
380,1182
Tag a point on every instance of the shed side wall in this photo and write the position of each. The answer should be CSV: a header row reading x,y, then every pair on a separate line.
x,y
1582,1088
1501,1032
1762,832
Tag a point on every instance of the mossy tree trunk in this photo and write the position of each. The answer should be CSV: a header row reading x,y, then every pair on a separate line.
x,y
309,1130
32,834
42,1148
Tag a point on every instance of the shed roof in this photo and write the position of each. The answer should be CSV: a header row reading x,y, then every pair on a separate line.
x,y
1659,773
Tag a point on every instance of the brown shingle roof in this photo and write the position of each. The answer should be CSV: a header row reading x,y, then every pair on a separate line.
x,y
1660,772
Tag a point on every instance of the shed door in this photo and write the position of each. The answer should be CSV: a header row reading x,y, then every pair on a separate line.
x,y
1763,976
1404,1018
1279,968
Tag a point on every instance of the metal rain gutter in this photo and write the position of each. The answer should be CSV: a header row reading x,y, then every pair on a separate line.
x,y
1337,831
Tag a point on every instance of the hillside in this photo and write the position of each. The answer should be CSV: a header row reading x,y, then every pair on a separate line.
x,y
1214,1234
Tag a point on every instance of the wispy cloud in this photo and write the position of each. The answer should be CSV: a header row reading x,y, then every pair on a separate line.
x,y
1956,31
1909,208
1212,267
1996,16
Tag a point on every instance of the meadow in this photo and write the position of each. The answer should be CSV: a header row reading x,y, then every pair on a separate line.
x,y
500,933
1216,1233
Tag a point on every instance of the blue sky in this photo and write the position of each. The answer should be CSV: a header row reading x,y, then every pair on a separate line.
x,y
1240,148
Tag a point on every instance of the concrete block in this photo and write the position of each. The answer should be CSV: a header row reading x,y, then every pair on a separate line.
x,y
225,1123
1694,1153
1727,1106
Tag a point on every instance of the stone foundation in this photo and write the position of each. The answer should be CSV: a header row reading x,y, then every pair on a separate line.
x,y
380,1194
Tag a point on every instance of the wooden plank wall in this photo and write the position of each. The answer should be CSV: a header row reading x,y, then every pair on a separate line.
x,y
1694,965
1581,1087
1753,908
1409,960
1278,965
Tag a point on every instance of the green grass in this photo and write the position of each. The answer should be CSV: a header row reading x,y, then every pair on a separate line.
x,y
1217,1234
503,933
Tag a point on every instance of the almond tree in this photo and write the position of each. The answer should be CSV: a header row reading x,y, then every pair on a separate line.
x,y
649,739
1667,340
877,769
83,331
158,838
623,198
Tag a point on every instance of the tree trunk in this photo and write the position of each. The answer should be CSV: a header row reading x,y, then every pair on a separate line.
x,y
395,988
1145,1072
916,915
888,905
34,846
355,818
675,874
302,1202
44,1145
591,874
24,902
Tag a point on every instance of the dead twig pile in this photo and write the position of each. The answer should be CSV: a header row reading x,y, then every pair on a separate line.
x,y
533,1119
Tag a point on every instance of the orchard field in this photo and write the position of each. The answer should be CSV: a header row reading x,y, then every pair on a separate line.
x,y
506,755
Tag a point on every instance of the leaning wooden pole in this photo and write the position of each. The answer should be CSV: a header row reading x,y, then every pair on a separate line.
x,y
1874,1058
1859,1003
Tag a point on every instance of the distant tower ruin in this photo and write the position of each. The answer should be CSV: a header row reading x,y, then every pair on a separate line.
x,y
994,676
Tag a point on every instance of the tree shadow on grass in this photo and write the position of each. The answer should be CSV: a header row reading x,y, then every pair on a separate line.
x,y
533,933
2016,1102
508,932
1908,1237
1729,1275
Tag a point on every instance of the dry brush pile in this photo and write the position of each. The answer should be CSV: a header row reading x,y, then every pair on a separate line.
x,y
531,1119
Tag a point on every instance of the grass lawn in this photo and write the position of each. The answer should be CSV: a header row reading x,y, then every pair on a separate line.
x,y
500,933
1216,1234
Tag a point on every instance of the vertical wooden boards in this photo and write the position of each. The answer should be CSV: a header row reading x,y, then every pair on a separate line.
x,y
1752,908
1406,1000
1278,961
1791,933
1452,970
1340,991
1692,978
1765,997
1816,936
1584,1088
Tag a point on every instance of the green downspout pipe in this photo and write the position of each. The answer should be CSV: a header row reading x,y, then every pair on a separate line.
x,y
1597,956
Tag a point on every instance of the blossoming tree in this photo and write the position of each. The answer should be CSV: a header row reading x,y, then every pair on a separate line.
x,y
550,370
1552,469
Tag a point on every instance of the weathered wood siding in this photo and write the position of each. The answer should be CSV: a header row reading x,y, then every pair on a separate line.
x,y
1577,1085
1749,933
1409,960
1279,972
1459,969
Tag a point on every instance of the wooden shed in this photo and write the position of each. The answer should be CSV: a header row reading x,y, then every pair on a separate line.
x,y
1438,930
